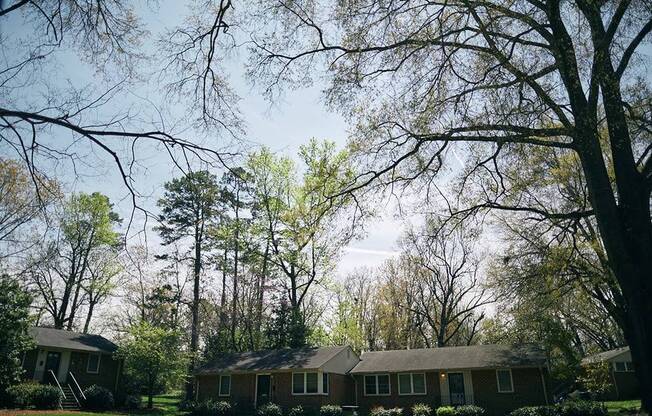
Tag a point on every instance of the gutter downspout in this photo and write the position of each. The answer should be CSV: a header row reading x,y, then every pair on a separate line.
x,y
543,384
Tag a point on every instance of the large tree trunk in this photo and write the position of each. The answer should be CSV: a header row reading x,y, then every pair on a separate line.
x,y
89,316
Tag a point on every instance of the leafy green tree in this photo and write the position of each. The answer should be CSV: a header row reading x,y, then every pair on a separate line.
x,y
432,84
189,208
299,214
61,269
596,378
152,356
14,338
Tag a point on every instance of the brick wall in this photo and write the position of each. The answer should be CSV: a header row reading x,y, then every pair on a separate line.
x,y
243,390
528,390
106,377
366,403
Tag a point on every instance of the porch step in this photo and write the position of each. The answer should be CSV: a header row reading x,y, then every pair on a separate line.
x,y
69,402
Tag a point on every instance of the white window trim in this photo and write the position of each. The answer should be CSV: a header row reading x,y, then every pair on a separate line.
x,y
389,379
219,386
320,380
88,362
511,379
627,365
411,393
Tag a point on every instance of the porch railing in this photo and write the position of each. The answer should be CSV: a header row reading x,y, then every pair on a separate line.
x,y
81,392
54,377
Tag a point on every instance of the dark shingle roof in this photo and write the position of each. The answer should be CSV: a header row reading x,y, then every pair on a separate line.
x,y
446,358
282,359
605,355
58,338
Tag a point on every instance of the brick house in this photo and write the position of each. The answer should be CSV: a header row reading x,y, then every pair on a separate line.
x,y
311,377
498,378
621,371
72,360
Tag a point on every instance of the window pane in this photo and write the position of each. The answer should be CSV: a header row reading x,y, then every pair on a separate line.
x,y
418,383
629,366
404,385
370,384
504,380
620,366
225,385
297,383
383,384
311,382
325,382
93,363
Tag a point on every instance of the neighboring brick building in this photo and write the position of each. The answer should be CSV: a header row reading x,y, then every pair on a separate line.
x,y
72,360
498,378
621,370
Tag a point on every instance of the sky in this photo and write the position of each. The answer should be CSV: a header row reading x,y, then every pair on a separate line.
x,y
282,126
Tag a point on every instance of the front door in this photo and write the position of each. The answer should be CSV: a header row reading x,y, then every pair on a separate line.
x,y
52,361
263,388
456,388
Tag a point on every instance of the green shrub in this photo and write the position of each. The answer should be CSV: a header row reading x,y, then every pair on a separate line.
x,y
269,409
378,411
581,408
46,397
469,410
133,401
330,410
526,411
211,408
20,395
446,411
187,405
421,409
297,411
395,411
98,398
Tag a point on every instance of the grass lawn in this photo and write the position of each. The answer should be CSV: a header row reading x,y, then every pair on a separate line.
x,y
164,405
614,408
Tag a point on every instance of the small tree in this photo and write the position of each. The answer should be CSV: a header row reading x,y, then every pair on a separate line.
x,y
151,356
14,339
596,378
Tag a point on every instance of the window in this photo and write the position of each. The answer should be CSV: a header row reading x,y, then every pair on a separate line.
x,y
376,385
324,382
504,378
225,385
305,383
311,383
412,383
93,365
623,366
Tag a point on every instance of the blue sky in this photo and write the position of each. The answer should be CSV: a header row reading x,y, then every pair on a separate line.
x,y
282,126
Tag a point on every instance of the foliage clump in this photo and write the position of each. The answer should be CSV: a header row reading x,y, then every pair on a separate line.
x,y
14,339
330,410
446,411
421,409
211,408
469,410
567,408
381,411
297,411
45,397
98,398
269,409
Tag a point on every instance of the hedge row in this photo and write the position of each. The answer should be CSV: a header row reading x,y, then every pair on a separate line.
x,y
221,408
568,408
40,396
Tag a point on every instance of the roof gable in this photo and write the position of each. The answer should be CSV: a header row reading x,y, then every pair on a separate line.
x,y
68,340
447,358
269,360
605,355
